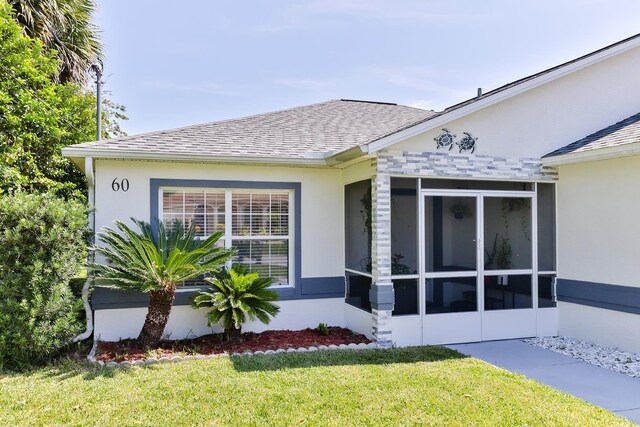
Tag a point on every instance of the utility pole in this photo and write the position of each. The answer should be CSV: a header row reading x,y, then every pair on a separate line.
x,y
97,70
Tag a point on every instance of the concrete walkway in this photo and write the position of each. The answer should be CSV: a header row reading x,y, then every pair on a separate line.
x,y
602,387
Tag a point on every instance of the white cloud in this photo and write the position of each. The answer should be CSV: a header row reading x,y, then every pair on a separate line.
x,y
422,11
406,76
304,84
207,88
312,14
424,104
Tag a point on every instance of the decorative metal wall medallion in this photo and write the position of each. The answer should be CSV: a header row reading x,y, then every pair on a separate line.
x,y
468,143
445,139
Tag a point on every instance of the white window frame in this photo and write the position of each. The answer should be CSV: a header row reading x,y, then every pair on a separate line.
x,y
228,218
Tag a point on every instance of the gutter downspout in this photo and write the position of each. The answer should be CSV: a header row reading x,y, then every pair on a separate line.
x,y
89,173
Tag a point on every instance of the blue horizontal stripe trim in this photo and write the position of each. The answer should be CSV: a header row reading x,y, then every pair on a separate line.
x,y
323,286
601,295
107,298
312,288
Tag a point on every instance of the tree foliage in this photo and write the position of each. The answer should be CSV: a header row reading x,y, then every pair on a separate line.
x,y
43,240
142,261
112,114
38,116
66,27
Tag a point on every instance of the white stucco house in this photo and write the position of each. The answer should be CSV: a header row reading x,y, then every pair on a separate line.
x,y
511,214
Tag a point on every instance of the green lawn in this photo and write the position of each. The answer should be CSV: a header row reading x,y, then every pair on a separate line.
x,y
417,386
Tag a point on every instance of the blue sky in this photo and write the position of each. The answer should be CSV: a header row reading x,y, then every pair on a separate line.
x,y
174,63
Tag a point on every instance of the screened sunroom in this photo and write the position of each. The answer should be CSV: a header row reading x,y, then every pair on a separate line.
x,y
471,260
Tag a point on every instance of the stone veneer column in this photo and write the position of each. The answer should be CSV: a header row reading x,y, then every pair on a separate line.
x,y
381,293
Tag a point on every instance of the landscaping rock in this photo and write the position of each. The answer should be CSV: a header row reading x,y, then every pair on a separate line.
x,y
620,361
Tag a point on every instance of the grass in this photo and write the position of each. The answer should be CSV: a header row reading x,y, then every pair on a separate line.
x,y
415,386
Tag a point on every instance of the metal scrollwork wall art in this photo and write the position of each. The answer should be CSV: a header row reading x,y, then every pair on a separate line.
x,y
447,139
468,143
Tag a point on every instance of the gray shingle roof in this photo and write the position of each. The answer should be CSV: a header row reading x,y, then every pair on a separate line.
x,y
626,131
302,132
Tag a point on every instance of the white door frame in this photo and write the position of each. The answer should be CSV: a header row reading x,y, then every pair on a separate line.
x,y
525,316
453,327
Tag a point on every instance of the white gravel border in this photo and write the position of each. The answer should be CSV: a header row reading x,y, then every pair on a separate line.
x,y
620,361
174,359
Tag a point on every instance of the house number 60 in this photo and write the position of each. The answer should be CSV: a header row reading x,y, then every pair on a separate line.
x,y
123,184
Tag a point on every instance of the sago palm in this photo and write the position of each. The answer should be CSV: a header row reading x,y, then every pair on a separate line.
x,y
142,261
237,296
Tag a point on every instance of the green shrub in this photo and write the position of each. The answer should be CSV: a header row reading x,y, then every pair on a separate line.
x,y
43,241
323,329
236,296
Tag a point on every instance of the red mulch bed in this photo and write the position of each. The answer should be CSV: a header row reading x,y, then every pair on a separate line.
x,y
214,344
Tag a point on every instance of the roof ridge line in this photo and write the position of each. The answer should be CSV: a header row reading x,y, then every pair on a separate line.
x,y
451,110
369,102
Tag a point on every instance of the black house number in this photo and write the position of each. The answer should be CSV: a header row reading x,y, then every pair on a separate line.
x,y
122,184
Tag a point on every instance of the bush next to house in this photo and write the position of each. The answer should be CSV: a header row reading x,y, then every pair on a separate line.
x,y
43,241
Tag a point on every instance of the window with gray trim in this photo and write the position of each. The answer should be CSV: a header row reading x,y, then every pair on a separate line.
x,y
257,222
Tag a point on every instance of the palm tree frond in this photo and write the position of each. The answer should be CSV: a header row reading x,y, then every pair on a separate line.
x,y
66,27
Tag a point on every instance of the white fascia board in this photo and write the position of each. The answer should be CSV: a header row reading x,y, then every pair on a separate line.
x,y
626,150
346,156
142,155
345,164
523,87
